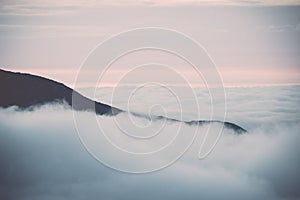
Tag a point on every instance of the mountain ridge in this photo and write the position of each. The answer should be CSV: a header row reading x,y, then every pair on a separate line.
x,y
26,90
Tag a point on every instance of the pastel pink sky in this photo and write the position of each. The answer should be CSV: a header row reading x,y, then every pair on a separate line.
x,y
252,42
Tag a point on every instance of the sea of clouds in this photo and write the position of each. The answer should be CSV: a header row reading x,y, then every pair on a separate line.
x,y
42,157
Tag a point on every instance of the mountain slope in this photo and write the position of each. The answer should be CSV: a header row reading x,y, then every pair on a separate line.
x,y
26,90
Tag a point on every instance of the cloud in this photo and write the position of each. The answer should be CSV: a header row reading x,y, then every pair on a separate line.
x,y
42,158
48,7
281,28
298,27
249,106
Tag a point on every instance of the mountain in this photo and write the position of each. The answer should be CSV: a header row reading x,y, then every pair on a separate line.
x,y
26,90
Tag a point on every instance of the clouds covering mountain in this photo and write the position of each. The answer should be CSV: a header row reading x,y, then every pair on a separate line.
x,y
42,157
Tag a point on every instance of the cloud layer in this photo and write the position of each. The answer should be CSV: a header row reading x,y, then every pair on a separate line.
x,y
42,158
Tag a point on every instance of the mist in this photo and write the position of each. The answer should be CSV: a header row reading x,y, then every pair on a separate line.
x,y
42,157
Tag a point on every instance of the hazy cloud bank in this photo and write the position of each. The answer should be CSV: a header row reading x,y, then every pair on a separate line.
x,y
42,158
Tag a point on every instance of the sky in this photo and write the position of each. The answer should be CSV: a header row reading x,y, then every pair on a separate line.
x,y
251,42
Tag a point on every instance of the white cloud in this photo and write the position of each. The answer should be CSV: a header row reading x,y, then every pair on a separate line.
x,y
42,158
247,106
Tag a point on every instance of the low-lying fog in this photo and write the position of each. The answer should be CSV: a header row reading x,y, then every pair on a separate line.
x,y
42,157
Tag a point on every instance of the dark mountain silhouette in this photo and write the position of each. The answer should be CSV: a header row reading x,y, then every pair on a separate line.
x,y
27,91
